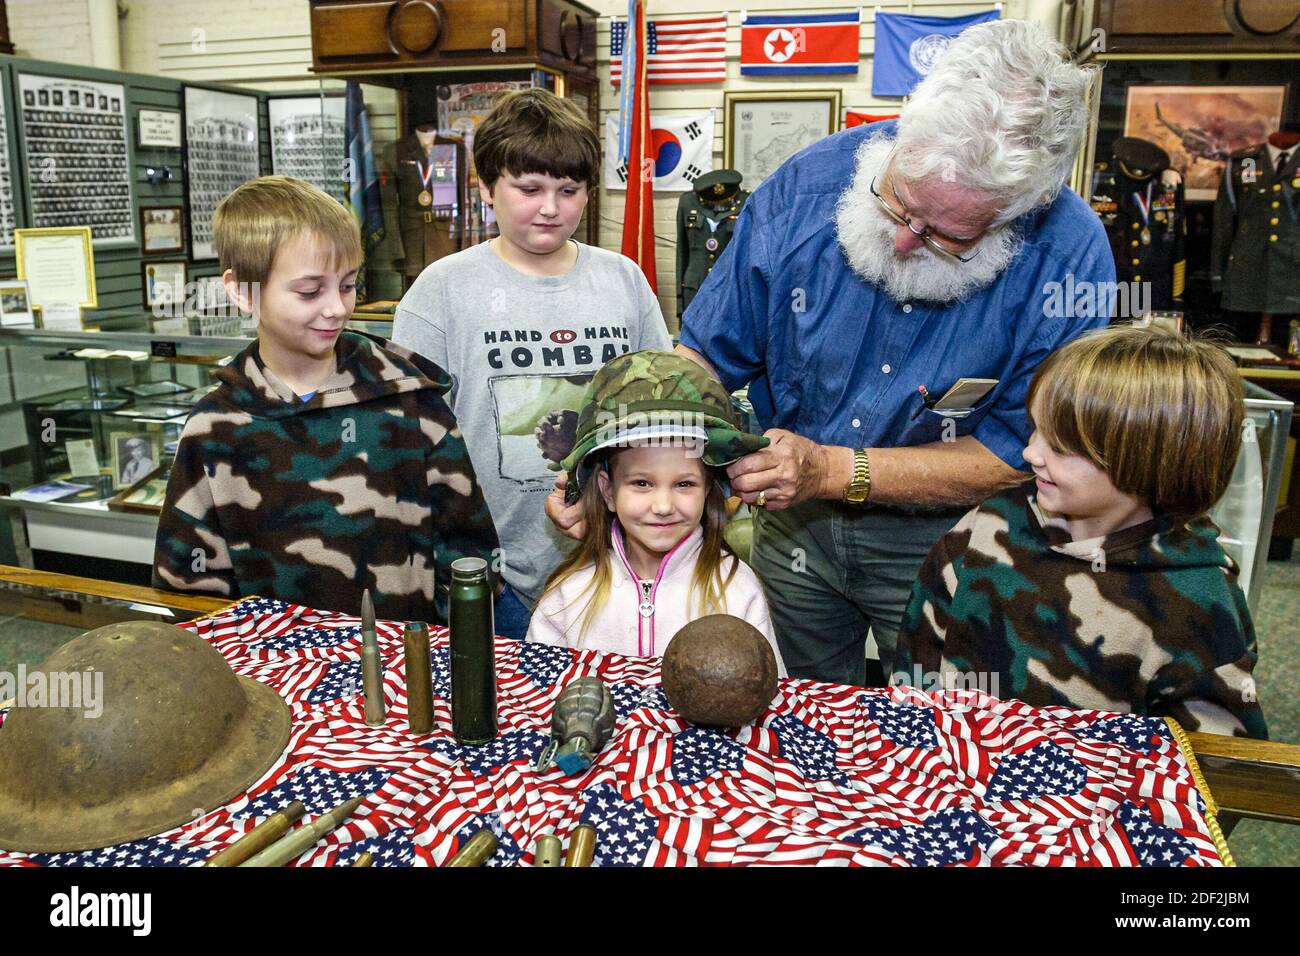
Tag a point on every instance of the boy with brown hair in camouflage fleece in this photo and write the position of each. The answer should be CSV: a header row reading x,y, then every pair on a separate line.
x,y
1102,585
326,461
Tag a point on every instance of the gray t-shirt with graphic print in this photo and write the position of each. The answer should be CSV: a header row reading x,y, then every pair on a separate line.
x,y
520,350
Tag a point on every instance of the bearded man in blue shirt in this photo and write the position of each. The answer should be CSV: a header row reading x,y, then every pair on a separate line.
x,y
866,277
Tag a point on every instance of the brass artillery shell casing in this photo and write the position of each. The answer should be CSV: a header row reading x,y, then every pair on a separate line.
x,y
260,837
477,851
548,851
419,678
582,846
365,859
305,837
372,664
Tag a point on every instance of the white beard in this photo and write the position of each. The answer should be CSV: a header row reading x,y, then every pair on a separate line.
x,y
866,234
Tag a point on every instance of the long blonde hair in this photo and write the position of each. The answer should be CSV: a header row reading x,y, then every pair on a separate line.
x,y
708,583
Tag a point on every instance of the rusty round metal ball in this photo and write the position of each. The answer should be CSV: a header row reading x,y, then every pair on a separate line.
x,y
719,671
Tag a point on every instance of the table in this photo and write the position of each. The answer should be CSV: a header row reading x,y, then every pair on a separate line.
x,y
829,775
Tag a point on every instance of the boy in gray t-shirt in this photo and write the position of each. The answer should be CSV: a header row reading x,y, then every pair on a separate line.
x,y
521,324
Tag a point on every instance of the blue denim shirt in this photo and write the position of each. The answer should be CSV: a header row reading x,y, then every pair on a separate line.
x,y
845,369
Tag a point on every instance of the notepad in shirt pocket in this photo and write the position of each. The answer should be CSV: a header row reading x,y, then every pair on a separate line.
x,y
964,395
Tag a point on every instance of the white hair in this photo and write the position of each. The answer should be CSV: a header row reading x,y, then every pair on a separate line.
x,y
1002,113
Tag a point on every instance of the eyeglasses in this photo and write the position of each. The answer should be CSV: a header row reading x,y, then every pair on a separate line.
x,y
938,245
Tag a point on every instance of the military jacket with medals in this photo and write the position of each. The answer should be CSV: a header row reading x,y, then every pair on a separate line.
x,y
1255,249
700,245
428,232
1147,229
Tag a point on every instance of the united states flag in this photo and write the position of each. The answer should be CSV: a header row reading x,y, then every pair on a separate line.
x,y
681,51
828,775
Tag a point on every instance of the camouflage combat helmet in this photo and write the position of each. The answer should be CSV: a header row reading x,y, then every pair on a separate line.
x,y
655,395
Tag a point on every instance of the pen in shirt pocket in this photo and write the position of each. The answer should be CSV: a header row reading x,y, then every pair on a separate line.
x,y
926,401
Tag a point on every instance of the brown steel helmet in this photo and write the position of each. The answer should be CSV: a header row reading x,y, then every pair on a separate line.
x,y
177,732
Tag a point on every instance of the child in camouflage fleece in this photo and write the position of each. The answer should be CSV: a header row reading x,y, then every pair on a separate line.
x,y
1102,585
326,461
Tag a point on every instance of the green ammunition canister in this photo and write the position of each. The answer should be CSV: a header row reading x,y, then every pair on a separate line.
x,y
473,666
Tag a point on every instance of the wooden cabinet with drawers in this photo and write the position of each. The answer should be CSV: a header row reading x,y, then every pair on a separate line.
x,y
358,35
1200,26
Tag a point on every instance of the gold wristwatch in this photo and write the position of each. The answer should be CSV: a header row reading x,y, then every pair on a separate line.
x,y
859,486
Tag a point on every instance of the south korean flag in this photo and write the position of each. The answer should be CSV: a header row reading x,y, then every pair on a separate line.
x,y
682,147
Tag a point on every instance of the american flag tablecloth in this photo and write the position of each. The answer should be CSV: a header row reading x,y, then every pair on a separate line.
x,y
829,774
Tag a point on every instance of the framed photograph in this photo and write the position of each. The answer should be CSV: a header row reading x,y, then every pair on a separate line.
x,y
158,128
222,152
59,266
307,140
7,220
161,228
1199,126
78,160
16,305
146,496
164,284
763,130
135,457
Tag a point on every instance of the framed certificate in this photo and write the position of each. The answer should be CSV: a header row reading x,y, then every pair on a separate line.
x,y
59,266
160,227
158,128
763,130
164,287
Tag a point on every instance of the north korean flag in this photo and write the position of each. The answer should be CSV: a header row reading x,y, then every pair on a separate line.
x,y
799,43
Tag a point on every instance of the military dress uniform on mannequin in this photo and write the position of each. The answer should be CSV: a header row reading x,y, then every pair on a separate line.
x,y
706,218
1145,221
1255,250
430,229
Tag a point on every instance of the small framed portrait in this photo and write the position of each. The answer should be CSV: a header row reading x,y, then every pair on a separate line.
x,y
135,457
164,284
16,304
103,102
58,97
74,98
161,228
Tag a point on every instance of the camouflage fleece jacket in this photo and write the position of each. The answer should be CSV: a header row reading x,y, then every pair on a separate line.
x,y
1148,619
367,484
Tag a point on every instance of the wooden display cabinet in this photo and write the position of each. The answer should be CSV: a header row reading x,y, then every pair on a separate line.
x,y
1200,26
365,35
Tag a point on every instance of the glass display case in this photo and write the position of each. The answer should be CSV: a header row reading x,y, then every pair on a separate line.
x,y
88,426
1246,512
43,610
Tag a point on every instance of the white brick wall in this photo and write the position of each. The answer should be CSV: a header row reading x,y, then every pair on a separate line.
x,y
230,41
56,30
